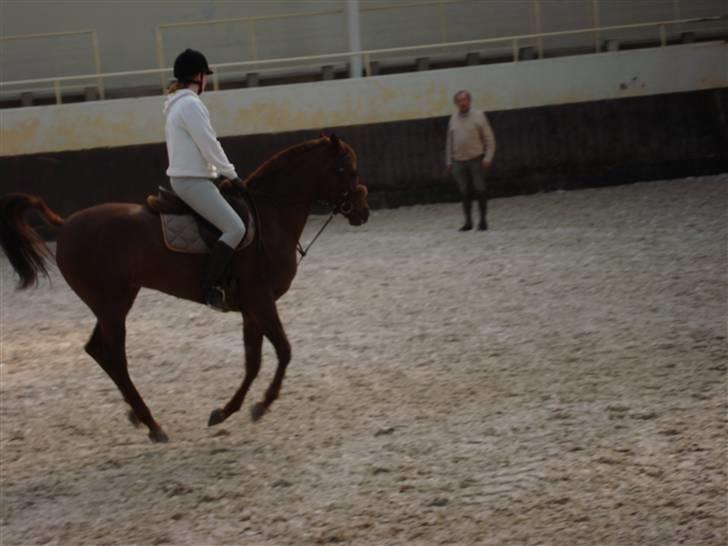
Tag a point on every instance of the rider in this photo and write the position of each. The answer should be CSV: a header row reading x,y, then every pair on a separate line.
x,y
195,158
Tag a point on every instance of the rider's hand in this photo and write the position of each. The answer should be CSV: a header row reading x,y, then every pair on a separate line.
x,y
238,184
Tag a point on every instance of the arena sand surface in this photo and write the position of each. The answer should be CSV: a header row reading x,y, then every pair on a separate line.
x,y
558,380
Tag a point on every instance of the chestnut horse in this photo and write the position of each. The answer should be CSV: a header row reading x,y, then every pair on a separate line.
x,y
108,252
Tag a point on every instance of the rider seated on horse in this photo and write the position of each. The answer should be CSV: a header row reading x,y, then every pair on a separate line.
x,y
195,159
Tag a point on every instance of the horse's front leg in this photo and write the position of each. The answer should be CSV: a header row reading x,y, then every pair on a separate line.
x,y
253,340
272,328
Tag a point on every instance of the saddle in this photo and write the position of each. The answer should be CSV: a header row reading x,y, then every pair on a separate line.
x,y
186,231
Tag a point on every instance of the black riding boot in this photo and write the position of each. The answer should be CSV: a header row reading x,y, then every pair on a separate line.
x,y
213,293
468,212
483,206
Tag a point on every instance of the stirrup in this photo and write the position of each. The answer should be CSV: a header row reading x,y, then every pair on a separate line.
x,y
215,298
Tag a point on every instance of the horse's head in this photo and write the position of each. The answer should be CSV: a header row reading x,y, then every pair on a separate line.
x,y
340,184
329,167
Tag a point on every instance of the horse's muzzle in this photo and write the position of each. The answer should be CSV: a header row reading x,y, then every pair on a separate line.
x,y
356,208
358,217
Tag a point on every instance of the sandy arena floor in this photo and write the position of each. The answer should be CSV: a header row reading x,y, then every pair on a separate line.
x,y
558,380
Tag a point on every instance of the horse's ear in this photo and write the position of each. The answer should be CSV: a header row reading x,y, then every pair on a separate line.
x,y
335,141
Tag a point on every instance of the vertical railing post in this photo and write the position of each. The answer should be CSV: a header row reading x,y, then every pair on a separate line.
x,y
515,50
663,36
57,91
539,27
160,58
354,31
97,64
253,41
443,20
597,24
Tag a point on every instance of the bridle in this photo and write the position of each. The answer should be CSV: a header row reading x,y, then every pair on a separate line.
x,y
342,205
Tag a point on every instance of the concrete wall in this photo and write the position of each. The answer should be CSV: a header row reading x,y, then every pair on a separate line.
x,y
326,105
127,40
543,148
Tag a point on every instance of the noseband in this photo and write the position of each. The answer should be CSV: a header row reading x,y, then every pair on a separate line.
x,y
344,206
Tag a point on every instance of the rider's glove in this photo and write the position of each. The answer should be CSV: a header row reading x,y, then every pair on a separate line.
x,y
238,184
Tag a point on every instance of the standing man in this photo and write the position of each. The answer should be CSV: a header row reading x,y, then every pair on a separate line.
x,y
469,155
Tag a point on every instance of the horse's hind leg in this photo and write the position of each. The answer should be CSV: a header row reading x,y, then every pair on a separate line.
x,y
108,347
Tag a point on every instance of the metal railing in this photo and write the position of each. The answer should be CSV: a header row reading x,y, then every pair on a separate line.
x,y
263,64
250,21
56,81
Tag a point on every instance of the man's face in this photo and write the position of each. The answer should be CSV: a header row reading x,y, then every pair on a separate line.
x,y
463,103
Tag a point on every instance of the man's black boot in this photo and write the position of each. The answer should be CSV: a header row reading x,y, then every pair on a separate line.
x,y
483,206
468,212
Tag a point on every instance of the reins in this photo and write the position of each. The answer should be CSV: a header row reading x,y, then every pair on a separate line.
x,y
343,206
303,251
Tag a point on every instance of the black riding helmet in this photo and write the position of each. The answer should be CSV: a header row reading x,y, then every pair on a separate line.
x,y
188,64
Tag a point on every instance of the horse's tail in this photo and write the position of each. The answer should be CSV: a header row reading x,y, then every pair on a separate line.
x,y
24,248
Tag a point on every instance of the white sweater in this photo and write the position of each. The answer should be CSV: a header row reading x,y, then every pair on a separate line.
x,y
192,145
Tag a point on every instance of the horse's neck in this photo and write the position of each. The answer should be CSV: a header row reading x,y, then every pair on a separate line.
x,y
290,219
287,205
287,195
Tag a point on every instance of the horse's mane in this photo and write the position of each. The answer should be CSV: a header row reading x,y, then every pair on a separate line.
x,y
282,158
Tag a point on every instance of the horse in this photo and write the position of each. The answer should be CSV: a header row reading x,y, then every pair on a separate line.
x,y
107,252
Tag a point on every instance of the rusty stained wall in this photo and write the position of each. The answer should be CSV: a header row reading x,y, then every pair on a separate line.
x,y
539,149
376,100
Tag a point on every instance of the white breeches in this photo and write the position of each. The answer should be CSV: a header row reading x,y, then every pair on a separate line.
x,y
204,197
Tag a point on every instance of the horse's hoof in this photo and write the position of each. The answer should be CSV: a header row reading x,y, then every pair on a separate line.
x,y
217,417
133,419
158,436
257,411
